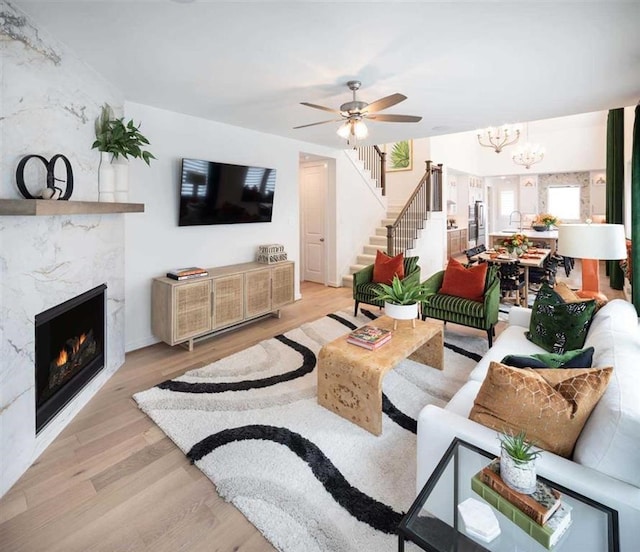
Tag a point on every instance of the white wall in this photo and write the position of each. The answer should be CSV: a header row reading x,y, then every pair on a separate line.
x,y
400,184
359,209
155,242
459,151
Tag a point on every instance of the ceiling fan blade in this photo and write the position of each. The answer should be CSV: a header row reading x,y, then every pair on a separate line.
x,y
395,118
319,123
383,103
323,108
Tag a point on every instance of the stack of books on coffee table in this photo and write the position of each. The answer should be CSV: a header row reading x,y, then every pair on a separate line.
x,y
369,337
542,515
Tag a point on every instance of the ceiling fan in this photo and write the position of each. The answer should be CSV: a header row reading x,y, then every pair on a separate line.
x,y
354,112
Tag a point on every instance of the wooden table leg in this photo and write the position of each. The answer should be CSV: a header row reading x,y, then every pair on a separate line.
x,y
431,353
350,392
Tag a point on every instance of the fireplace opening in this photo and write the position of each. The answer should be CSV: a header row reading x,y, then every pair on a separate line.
x,y
69,350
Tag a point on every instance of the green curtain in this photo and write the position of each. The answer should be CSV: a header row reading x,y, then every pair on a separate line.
x,y
615,184
635,213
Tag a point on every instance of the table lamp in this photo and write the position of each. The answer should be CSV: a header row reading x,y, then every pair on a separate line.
x,y
592,243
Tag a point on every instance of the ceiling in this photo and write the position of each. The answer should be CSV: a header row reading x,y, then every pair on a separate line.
x,y
462,66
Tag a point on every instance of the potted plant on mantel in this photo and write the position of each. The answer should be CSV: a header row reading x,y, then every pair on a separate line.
x,y
518,462
401,299
115,139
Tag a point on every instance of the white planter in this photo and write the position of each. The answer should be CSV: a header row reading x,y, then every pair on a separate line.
x,y
520,477
106,178
401,312
121,170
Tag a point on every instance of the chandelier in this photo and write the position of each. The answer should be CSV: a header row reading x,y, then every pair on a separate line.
x,y
528,154
498,137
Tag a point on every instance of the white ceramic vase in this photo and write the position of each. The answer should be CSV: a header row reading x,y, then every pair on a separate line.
x,y
121,170
106,178
520,477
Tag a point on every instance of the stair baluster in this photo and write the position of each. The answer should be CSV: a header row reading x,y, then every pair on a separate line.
x,y
425,198
374,160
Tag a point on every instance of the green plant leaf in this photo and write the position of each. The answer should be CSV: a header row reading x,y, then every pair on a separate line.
x,y
401,155
118,138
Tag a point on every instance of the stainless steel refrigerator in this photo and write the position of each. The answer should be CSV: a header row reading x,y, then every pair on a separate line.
x,y
476,230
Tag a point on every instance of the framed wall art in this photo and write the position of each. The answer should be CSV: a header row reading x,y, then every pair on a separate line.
x,y
399,156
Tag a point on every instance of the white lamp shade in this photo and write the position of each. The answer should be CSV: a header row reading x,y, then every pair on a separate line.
x,y
344,130
592,241
360,130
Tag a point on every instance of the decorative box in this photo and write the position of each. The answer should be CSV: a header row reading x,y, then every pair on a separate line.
x,y
269,248
270,258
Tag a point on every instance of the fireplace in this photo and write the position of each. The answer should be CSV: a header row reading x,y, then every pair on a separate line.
x,y
69,350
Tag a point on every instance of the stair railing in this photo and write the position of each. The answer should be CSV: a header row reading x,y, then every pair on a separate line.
x,y
374,160
427,197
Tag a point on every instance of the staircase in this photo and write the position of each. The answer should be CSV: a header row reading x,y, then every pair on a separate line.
x,y
378,241
399,230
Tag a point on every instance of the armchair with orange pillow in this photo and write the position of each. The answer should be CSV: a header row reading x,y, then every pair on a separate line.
x,y
466,296
367,280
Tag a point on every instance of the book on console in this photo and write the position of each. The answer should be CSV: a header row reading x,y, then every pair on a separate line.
x,y
369,334
368,345
539,506
187,276
186,271
547,535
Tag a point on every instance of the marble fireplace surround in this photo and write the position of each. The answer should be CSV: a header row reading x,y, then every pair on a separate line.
x,y
44,261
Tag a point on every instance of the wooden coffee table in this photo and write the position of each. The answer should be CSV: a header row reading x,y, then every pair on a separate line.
x,y
350,377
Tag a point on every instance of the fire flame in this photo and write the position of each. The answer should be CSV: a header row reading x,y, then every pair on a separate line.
x,y
62,358
80,341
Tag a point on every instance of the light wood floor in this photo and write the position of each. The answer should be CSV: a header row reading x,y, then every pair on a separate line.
x,y
112,481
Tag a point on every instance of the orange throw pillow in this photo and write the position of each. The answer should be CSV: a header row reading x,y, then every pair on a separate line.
x,y
467,283
385,267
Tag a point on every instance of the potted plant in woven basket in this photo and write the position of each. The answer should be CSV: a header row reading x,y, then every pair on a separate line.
x,y
401,298
518,462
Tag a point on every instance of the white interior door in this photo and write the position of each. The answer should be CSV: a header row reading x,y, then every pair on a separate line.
x,y
313,193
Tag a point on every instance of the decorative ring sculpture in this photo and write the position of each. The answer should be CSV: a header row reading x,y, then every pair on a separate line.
x,y
51,179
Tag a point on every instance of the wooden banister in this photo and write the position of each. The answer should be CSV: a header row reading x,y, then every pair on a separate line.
x,y
426,197
374,160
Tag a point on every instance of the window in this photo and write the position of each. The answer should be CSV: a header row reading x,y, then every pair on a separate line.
x,y
507,202
564,202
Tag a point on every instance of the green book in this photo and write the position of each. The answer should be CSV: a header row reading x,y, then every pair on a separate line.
x,y
547,535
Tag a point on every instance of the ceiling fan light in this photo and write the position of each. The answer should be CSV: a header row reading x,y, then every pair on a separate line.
x,y
360,130
344,130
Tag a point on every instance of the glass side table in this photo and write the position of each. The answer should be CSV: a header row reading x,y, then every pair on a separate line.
x,y
434,524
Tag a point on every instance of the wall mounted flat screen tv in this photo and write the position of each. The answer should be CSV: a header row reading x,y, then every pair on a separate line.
x,y
221,193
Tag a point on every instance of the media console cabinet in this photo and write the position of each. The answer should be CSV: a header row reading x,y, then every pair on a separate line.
x,y
182,311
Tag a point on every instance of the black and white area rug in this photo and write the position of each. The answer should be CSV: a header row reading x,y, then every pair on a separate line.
x,y
308,479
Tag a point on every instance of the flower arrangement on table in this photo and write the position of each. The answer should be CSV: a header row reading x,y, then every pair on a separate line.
x,y
517,243
546,219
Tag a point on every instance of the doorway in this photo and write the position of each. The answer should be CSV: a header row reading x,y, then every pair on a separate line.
x,y
313,206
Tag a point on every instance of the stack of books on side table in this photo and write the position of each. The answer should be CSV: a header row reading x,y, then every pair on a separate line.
x,y
187,273
542,514
369,337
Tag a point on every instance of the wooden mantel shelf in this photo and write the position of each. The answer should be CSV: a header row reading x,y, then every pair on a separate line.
x,y
47,207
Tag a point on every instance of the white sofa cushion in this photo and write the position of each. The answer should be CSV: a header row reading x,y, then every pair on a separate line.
x,y
610,440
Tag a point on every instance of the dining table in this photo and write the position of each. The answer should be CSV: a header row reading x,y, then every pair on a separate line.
x,y
533,257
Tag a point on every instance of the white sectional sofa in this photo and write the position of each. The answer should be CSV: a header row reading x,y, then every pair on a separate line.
x,y
606,460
